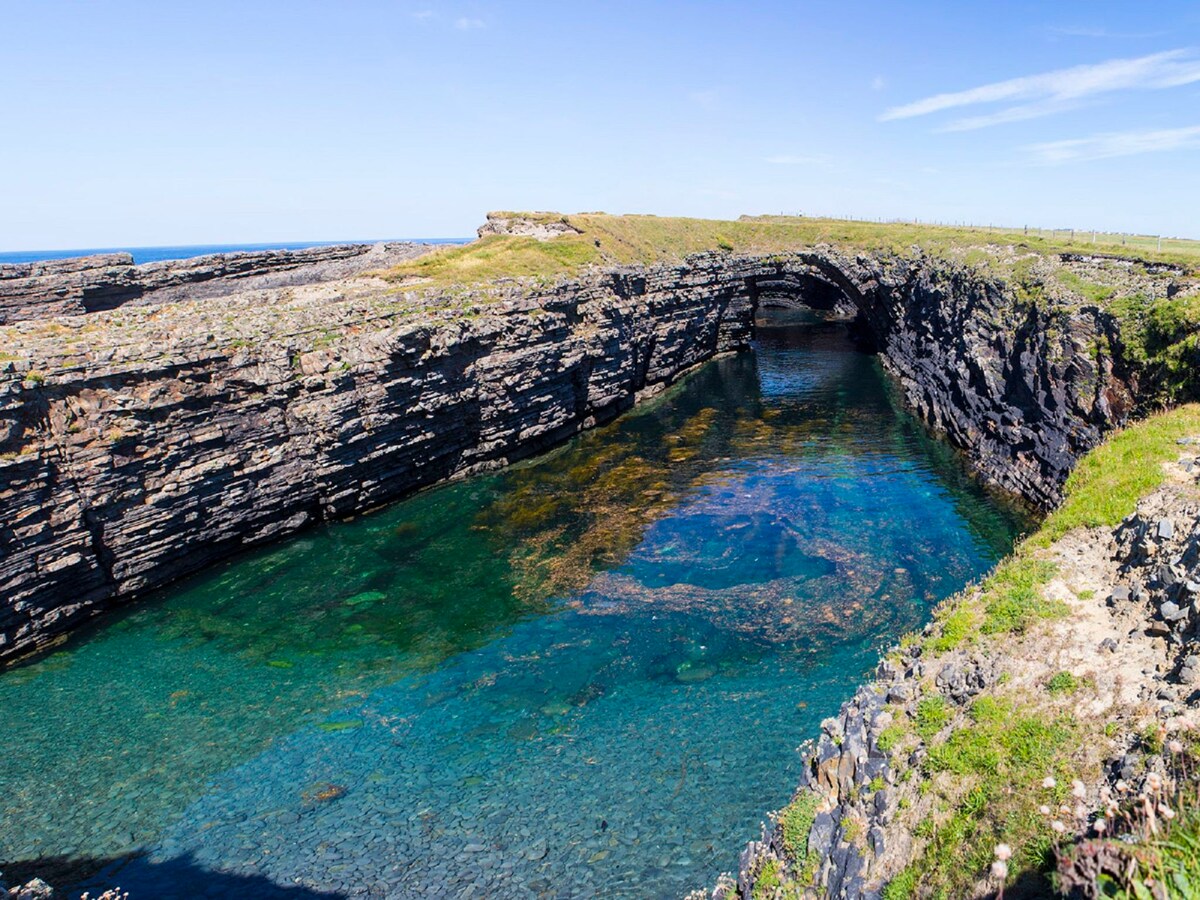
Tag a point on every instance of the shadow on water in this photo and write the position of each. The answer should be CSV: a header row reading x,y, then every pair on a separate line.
x,y
162,881
580,638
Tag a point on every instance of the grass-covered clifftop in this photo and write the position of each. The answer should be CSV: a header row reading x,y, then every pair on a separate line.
x,y
602,239
1155,296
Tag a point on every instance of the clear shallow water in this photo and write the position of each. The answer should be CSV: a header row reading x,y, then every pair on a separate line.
x,y
187,251
585,675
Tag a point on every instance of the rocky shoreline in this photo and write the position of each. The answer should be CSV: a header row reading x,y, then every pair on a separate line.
x,y
87,284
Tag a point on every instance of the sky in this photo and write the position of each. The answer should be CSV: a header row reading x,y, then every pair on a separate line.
x,y
148,123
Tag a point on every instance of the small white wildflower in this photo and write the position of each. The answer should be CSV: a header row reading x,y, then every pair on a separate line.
x,y
1175,746
1078,791
1166,812
1049,782
1000,870
1122,786
1003,852
1154,782
1058,827
1080,811
1044,809
1101,825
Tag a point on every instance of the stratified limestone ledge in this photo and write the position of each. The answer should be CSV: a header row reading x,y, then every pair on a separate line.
x,y
140,444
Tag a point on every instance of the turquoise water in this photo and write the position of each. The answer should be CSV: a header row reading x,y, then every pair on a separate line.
x,y
584,676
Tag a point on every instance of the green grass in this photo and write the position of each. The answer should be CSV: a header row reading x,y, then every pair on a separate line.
x,y
1012,595
796,822
1089,290
989,770
890,737
1063,683
1107,483
903,886
501,256
956,625
933,714
1162,334
1001,755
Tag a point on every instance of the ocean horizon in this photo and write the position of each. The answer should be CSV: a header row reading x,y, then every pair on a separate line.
x,y
189,251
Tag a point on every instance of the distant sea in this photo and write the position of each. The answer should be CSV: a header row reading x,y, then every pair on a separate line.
x,y
157,254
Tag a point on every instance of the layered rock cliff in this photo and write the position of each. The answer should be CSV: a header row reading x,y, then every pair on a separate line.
x,y
139,444
136,447
106,281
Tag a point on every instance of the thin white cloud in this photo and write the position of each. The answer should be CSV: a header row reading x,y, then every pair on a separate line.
x,y
1116,143
1011,114
1094,32
1052,92
462,23
878,83
422,15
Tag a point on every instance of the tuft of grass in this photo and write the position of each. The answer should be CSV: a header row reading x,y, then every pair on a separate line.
x,y
1107,483
933,714
903,886
957,624
1012,596
890,737
1063,683
1172,860
1089,290
796,822
771,883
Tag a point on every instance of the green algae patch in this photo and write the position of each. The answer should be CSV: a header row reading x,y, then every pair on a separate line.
x,y
341,725
366,597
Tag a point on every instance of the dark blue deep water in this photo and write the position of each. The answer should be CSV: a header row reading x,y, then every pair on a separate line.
x,y
587,675
159,254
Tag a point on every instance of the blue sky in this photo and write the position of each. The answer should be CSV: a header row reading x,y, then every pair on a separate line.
x,y
138,123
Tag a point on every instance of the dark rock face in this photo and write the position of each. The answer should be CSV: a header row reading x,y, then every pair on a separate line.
x,y
116,478
143,452
92,283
